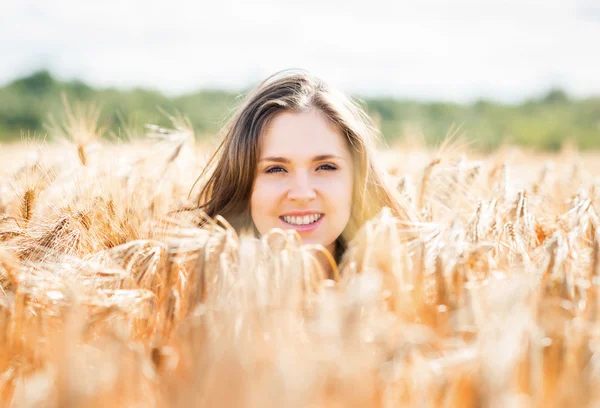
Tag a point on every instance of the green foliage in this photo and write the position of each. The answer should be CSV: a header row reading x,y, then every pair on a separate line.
x,y
27,104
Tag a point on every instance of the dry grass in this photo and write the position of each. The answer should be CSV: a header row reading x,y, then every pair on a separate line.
x,y
111,296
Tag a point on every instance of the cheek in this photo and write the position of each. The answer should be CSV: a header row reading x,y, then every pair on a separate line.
x,y
262,204
262,195
339,191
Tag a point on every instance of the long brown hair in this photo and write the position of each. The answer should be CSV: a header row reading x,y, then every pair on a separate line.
x,y
231,169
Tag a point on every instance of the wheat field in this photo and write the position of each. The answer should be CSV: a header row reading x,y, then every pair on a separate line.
x,y
112,296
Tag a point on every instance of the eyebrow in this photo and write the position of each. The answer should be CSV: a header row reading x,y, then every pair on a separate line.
x,y
320,157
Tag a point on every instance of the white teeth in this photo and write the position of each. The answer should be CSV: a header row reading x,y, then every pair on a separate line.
x,y
307,219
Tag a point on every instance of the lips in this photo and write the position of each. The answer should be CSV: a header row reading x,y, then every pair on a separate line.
x,y
297,221
301,220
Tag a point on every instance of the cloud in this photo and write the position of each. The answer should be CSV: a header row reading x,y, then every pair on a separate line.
x,y
433,49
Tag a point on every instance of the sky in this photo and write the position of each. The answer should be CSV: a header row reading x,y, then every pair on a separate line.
x,y
454,50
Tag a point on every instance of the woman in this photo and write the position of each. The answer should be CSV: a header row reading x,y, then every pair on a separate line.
x,y
298,155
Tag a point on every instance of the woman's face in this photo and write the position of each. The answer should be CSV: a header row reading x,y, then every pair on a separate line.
x,y
304,178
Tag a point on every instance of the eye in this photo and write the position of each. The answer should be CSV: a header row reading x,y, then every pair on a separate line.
x,y
275,169
327,167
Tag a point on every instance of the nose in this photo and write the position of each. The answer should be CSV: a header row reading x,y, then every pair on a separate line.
x,y
302,188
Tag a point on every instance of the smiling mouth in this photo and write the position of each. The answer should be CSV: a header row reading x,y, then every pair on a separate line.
x,y
300,221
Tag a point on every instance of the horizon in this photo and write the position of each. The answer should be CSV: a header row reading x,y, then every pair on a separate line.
x,y
536,97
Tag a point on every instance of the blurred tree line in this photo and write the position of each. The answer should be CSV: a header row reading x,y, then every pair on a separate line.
x,y
28,104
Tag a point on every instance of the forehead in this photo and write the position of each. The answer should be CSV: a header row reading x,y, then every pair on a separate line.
x,y
295,134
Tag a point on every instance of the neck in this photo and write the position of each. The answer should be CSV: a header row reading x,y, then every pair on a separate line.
x,y
324,260
331,248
